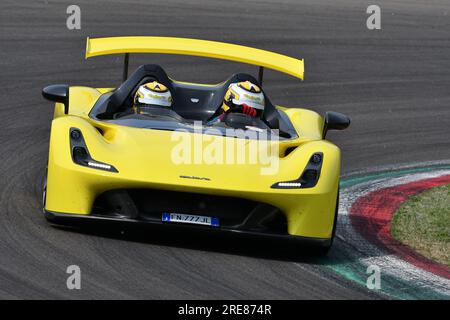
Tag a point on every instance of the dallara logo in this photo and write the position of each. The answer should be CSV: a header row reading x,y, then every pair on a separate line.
x,y
154,96
195,178
252,97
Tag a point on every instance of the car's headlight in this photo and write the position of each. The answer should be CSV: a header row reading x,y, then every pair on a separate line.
x,y
80,153
309,176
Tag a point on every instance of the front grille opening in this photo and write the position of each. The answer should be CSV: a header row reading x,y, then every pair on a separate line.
x,y
149,204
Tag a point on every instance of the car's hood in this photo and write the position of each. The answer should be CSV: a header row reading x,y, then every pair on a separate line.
x,y
174,157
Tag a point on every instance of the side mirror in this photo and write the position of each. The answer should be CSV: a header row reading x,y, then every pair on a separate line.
x,y
335,121
57,93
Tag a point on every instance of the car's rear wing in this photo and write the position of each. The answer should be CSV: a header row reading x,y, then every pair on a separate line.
x,y
194,47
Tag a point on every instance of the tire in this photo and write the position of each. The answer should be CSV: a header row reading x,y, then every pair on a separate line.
x,y
44,190
323,250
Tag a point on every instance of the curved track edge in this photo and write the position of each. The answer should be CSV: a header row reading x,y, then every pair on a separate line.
x,y
404,274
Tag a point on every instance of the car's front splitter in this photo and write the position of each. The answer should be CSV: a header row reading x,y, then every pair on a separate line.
x,y
77,220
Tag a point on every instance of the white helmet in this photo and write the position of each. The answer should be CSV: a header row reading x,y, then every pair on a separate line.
x,y
153,94
244,93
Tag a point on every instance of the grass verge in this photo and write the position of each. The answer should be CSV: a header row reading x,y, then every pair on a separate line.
x,y
423,223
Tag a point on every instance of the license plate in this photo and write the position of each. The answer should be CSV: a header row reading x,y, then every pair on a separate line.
x,y
190,218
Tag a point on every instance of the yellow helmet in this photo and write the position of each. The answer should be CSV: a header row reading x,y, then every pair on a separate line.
x,y
243,93
152,94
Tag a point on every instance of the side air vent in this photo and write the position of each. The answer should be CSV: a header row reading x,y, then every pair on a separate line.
x,y
287,151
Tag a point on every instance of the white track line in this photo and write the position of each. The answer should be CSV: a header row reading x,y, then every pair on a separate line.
x,y
369,254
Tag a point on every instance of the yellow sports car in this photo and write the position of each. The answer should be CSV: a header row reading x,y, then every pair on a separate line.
x,y
189,160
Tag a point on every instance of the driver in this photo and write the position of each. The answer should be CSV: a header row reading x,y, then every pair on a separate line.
x,y
241,97
150,95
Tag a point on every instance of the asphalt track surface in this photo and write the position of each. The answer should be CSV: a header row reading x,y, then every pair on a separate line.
x,y
394,83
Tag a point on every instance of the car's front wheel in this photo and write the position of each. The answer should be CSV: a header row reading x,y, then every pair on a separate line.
x,y
44,190
323,250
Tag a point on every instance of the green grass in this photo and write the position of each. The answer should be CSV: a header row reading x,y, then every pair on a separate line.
x,y
423,223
